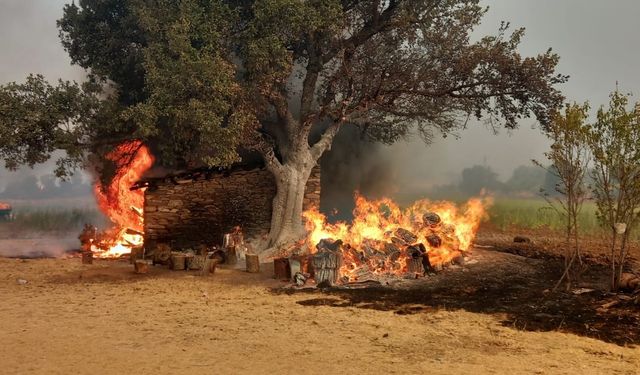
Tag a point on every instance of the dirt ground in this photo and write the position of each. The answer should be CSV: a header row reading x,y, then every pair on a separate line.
x,y
547,243
104,319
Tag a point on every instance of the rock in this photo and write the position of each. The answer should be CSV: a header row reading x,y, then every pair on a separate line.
x,y
448,229
521,239
458,259
299,279
21,281
629,282
580,291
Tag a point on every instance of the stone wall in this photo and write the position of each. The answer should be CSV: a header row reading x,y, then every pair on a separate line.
x,y
188,213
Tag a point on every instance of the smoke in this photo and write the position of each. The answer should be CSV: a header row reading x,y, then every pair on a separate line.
x,y
406,170
353,165
30,43
594,63
40,247
46,228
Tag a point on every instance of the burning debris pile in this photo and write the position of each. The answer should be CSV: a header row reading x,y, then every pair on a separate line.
x,y
385,241
120,204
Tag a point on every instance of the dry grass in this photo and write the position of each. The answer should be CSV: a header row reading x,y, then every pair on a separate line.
x,y
103,319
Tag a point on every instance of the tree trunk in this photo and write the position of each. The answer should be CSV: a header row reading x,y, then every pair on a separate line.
x,y
613,259
286,221
621,260
291,176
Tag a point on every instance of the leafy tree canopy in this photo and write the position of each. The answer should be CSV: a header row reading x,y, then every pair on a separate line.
x,y
195,78
526,178
479,177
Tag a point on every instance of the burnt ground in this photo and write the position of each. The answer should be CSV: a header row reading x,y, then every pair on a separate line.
x,y
514,287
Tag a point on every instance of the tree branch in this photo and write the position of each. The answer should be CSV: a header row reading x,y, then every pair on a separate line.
x,y
326,140
283,113
376,25
313,69
270,159
264,144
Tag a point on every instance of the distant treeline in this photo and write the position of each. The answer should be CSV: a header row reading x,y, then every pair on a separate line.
x,y
525,181
45,187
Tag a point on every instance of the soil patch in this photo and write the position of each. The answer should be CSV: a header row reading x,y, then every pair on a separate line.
x,y
515,287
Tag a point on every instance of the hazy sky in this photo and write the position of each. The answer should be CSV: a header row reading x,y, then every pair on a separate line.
x,y
596,39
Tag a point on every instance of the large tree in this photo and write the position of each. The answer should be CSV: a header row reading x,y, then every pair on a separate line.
x,y
201,79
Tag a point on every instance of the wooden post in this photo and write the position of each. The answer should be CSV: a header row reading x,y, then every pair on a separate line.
x,y
253,263
415,266
161,254
212,265
209,266
141,266
232,256
309,265
295,266
87,257
136,253
178,262
326,267
281,269
188,262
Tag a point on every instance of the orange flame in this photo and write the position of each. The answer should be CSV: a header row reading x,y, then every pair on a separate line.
x,y
120,204
376,222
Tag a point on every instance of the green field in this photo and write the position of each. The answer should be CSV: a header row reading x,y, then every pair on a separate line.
x,y
54,219
508,213
505,213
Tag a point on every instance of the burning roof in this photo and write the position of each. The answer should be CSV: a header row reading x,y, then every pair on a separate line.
x,y
194,174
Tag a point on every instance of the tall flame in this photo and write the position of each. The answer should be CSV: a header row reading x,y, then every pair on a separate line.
x,y
376,222
119,203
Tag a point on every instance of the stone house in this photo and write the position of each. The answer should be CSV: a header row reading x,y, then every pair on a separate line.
x,y
196,207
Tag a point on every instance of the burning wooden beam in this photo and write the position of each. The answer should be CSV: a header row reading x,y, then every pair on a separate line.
x,y
138,211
